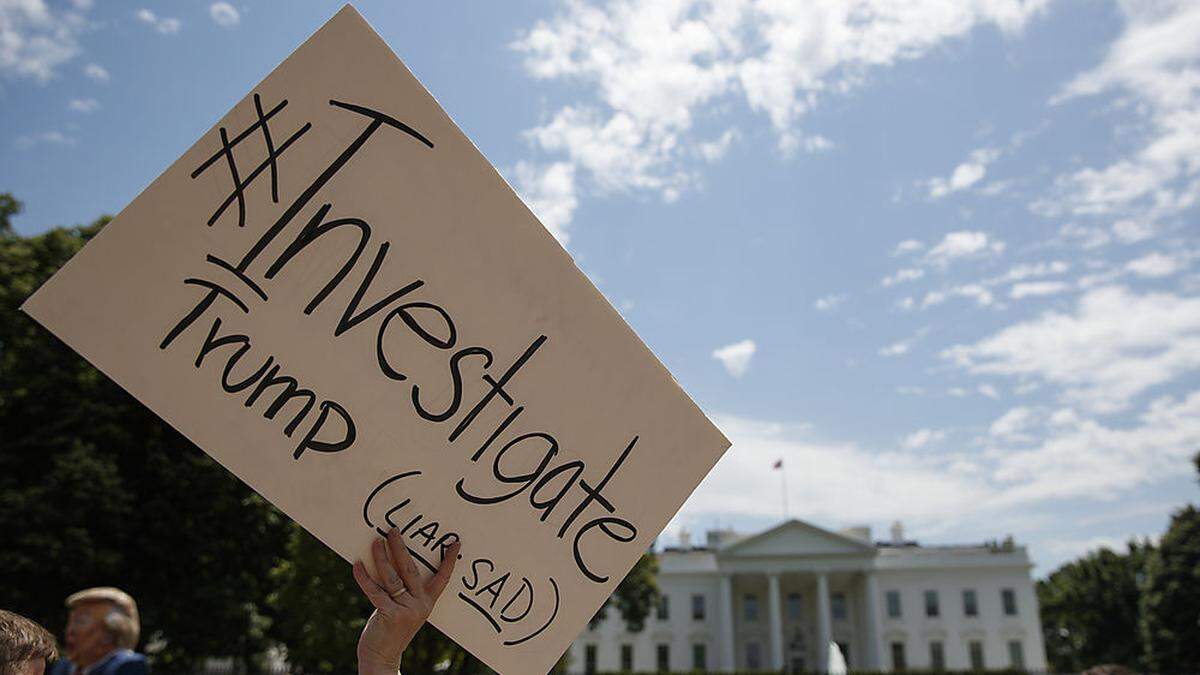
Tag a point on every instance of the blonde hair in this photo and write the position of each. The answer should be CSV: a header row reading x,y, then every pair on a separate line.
x,y
122,622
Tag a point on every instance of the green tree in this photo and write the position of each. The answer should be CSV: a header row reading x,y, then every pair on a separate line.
x,y
96,490
1090,610
1171,600
635,596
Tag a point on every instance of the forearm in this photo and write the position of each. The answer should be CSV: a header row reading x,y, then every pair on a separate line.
x,y
366,667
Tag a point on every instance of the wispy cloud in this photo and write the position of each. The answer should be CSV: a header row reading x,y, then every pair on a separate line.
x,y
44,137
36,38
657,66
736,357
964,175
828,302
550,193
97,73
162,24
224,14
1115,345
84,105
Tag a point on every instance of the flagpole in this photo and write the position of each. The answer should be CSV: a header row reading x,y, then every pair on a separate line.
x,y
783,482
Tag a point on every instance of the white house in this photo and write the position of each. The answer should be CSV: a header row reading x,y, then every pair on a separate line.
x,y
768,601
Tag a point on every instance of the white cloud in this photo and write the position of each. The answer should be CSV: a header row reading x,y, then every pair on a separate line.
x,y
1029,464
896,349
1133,231
963,244
47,137
988,391
1114,346
1037,289
1012,424
550,193
901,276
1157,60
964,175
907,246
656,67
1031,270
97,73
816,143
164,25
84,105
35,38
1084,459
224,14
714,150
1154,265
923,437
736,357
841,482
828,302
977,292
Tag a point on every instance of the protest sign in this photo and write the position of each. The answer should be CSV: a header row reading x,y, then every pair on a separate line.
x,y
335,295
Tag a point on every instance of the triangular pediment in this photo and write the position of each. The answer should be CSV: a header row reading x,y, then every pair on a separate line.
x,y
797,538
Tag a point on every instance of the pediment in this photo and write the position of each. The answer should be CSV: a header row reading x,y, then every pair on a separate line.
x,y
796,538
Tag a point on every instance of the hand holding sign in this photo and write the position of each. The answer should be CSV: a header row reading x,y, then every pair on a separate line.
x,y
402,601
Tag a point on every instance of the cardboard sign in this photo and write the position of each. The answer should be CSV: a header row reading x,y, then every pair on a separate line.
x,y
338,298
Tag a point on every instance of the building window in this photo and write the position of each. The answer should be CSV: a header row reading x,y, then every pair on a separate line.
x,y
837,606
975,649
1009,598
753,656
899,663
970,604
663,658
663,611
931,604
794,607
626,657
1016,654
700,657
750,607
697,607
893,604
589,659
937,655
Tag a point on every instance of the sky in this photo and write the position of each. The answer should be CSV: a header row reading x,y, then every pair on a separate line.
x,y
942,259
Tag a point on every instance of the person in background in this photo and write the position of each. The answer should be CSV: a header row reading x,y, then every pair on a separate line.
x,y
402,601
102,630
25,647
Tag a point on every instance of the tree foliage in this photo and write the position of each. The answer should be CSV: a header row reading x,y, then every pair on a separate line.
x,y
1171,600
1090,610
96,490
635,596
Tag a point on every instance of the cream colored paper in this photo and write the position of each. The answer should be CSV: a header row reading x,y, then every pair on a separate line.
x,y
364,190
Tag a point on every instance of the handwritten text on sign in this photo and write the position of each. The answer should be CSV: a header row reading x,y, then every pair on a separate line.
x,y
334,295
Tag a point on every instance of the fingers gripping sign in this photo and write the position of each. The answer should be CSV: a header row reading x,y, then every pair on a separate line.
x,y
402,600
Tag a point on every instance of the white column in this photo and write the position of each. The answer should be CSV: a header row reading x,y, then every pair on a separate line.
x,y
823,621
776,617
728,660
874,649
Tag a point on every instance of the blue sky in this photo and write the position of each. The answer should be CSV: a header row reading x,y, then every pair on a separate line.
x,y
941,258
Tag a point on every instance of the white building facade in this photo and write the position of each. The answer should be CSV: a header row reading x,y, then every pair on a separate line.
x,y
769,601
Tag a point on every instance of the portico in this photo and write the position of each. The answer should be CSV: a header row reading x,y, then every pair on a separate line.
x,y
778,609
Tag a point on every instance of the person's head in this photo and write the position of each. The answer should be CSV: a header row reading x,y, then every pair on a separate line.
x,y
25,647
100,620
